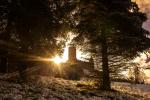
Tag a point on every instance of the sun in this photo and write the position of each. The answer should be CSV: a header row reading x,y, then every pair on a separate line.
x,y
57,60
64,58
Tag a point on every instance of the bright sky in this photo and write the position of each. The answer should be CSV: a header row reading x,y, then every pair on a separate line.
x,y
141,60
79,55
144,6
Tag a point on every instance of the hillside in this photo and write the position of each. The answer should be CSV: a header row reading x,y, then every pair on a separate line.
x,y
50,88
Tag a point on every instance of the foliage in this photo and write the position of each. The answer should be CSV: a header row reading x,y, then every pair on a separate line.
x,y
114,28
111,29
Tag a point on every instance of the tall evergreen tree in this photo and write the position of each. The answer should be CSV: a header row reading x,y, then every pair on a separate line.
x,y
115,27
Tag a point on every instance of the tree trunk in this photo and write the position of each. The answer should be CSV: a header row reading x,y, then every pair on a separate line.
x,y
136,75
3,65
5,36
23,64
105,67
22,70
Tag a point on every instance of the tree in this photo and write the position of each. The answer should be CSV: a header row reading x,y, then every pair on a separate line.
x,y
35,24
114,28
40,20
4,34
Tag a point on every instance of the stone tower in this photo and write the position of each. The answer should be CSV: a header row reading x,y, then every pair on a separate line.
x,y
72,54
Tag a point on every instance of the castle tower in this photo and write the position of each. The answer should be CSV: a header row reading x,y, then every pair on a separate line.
x,y
72,54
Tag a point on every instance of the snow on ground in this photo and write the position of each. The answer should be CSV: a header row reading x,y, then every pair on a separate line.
x,y
50,88
142,91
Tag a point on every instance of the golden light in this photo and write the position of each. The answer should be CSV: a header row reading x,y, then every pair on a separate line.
x,y
65,55
143,5
57,60
64,58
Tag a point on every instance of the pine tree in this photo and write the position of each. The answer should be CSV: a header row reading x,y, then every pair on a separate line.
x,y
113,26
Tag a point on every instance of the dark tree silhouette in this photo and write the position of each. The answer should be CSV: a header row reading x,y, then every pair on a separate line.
x,y
4,34
34,25
115,27
112,27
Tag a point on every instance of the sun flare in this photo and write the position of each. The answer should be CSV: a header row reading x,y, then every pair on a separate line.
x,y
64,58
57,59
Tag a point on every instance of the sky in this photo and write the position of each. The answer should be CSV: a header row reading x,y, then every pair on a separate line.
x,y
144,6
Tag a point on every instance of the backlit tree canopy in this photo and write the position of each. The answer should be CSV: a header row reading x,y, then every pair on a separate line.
x,y
115,26
108,27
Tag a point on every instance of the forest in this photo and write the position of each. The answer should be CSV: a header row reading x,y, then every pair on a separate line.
x,y
73,50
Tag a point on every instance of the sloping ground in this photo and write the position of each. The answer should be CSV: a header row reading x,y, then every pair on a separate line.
x,y
49,88
141,91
